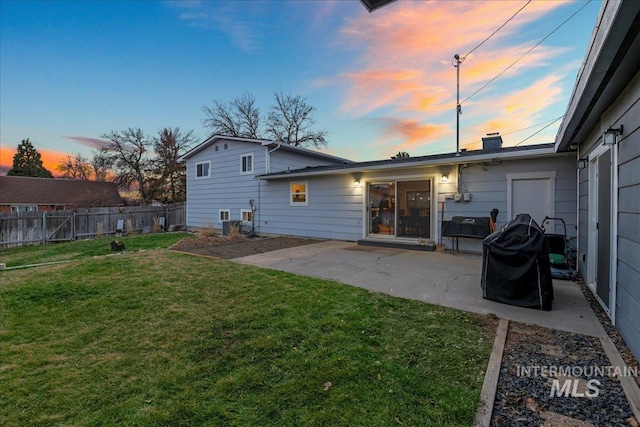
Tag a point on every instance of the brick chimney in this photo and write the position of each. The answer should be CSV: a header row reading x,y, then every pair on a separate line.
x,y
492,142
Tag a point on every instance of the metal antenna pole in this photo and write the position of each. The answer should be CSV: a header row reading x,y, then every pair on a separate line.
x,y
458,107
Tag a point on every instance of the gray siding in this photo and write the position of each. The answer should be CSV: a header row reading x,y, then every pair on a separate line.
x,y
226,188
336,207
488,187
334,210
281,160
628,263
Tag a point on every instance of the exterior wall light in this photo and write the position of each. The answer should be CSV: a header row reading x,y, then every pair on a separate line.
x,y
444,179
610,136
356,183
582,163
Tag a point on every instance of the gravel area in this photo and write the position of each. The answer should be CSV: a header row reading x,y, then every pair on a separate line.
x,y
524,396
628,357
229,247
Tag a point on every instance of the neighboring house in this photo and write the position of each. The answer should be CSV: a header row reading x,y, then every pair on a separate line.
x,y
293,191
19,194
602,124
221,176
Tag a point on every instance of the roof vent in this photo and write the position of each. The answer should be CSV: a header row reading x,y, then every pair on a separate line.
x,y
492,142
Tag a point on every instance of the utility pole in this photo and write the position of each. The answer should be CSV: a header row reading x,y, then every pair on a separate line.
x,y
457,62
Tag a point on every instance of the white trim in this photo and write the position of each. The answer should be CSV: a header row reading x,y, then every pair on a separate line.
x,y
228,211
550,175
592,256
242,164
613,242
383,166
247,211
435,206
592,235
306,193
208,175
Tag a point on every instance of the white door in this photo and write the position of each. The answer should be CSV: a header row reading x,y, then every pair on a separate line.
x,y
532,193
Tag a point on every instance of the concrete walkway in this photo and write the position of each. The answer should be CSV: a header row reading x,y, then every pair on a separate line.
x,y
434,277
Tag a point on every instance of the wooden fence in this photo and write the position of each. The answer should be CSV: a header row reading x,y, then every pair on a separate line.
x,y
28,228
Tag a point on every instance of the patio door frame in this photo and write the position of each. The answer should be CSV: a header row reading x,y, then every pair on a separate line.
x,y
593,215
395,179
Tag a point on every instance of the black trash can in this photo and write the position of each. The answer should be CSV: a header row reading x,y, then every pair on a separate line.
x,y
515,265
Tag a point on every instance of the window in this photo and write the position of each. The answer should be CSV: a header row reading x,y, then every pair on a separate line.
x,y
24,208
246,215
299,195
202,169
223,215
246,164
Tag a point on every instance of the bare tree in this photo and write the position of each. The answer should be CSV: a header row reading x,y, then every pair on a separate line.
x,y
290,120
169,181
128,150
75,166
240,117
101,165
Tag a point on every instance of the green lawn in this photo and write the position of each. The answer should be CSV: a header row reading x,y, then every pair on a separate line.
x,y
79,249
162,338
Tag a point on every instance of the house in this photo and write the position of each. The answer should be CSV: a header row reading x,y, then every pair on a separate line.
x,y
19,193
286,190
407,200
221,171
602,127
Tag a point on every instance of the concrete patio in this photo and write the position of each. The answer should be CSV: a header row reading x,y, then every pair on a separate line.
x,y
451,280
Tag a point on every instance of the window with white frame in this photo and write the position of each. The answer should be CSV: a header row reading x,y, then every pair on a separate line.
x,y
203,169
246,164
299,193
246,215
223,214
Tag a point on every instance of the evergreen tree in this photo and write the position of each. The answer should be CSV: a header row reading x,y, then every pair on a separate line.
x,y
28,162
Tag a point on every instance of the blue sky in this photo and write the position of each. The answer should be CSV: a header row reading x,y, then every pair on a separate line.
x,y
381,82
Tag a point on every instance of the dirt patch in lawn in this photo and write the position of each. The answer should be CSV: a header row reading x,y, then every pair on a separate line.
x,y
229,247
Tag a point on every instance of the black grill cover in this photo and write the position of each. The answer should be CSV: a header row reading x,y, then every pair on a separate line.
x,y
515,265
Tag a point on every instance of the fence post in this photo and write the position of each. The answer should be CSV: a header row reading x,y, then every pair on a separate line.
x,y
73,225
44,227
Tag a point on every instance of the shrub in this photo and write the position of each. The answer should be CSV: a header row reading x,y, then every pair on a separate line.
x,y
208,231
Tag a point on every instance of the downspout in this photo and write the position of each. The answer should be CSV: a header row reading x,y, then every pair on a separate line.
x,y
268,159
258,208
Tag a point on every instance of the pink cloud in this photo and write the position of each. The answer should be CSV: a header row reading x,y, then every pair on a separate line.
x,y
405,67
95,143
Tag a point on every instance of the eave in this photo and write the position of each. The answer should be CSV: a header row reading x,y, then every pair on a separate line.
x,y
613,59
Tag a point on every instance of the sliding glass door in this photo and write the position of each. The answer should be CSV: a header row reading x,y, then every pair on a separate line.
x,y
381,209
399,209
414,209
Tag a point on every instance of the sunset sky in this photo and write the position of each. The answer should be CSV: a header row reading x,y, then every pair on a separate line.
x,y
381,82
